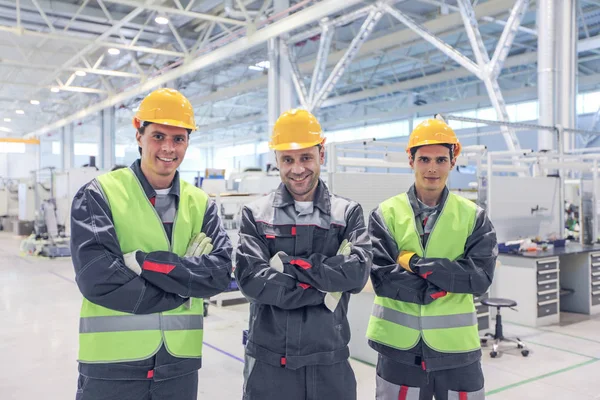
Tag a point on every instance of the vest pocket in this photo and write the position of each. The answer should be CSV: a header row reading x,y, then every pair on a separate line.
x,y
478,395
390,391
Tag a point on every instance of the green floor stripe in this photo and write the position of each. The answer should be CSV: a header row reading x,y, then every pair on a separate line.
x,y
551,331
364,362
559,349
537,378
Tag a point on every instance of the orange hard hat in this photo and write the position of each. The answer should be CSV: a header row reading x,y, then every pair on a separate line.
x,y
433,131
296,129
166,107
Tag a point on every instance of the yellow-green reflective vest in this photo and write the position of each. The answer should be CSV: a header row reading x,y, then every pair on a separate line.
x,y
107,336
449,324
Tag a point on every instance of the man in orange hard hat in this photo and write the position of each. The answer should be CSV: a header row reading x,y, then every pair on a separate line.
x,y
302,251
147,247
432,251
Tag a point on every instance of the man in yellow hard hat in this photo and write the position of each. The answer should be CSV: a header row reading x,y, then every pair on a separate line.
x,y
432,251
302,251
147,247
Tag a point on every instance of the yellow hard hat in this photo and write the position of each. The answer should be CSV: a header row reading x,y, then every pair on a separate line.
x,y
167,107
433,131
296,129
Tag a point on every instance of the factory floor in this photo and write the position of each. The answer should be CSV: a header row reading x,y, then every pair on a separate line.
x,y
39,308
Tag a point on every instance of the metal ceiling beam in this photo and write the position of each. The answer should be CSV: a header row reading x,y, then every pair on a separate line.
x,y
278,28
448,50
28,65
391,41
508,36
483,60
363,34
320,62
96,42
176,11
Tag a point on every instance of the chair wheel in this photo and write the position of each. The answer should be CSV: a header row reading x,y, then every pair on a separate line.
x,y
525,353
493,354
519,346
483,341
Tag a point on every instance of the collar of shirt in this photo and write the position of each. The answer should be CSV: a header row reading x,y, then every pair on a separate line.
x,y
322,201
414,201
148,189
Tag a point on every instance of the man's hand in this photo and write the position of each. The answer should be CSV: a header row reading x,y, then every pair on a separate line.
x,y
199,245
404,260
131,262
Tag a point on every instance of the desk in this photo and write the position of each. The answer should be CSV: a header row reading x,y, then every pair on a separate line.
x,y
534,280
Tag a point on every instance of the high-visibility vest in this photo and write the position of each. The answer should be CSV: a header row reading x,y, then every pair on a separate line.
x,y
108,336
449,324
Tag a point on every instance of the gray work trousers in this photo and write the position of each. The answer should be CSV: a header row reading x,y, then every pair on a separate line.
x,y
315,382
181,388
396,381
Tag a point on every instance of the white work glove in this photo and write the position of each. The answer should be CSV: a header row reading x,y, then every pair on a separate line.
x,y
276,263
131,262
199,245
332,299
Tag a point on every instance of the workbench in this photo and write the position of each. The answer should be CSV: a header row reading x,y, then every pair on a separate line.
x,y
543,283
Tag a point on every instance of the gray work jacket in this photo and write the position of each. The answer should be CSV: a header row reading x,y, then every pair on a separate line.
x,y
289,324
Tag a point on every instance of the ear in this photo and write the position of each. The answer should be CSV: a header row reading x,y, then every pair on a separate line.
x,y
411,162
138,138
453,163
137,123
322,156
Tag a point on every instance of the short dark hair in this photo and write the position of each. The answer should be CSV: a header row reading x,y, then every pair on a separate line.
x,y
450,147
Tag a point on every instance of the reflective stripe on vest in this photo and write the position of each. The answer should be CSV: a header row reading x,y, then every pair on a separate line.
x,y
106,335
449,324
431,322
122,323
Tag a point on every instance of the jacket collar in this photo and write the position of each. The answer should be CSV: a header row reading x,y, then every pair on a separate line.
x,y
283,198
136,167
414,202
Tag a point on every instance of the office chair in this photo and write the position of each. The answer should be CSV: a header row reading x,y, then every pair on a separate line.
x,y
498,335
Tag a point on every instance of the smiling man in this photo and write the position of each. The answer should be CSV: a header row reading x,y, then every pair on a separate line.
x,y
302,251
147,248
432,251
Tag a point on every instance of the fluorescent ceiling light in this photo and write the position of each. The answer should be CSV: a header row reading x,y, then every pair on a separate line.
x,y
161,20
3,129
113,51
20,112
34,102
54,90
80,73
7,120
260,66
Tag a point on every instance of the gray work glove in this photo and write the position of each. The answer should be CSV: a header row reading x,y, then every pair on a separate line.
x,y
131,262
199,245
332,299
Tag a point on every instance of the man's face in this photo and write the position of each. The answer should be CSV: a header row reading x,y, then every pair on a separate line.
x,y
300,170
431,164
163,148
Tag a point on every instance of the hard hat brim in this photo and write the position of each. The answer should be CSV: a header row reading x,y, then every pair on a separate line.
x,y
457,145
294,146
171,122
